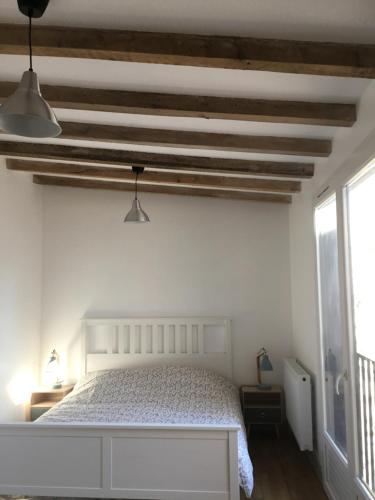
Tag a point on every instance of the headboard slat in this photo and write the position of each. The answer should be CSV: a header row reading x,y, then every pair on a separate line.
x,y
125,342
200,340
131,339
121,339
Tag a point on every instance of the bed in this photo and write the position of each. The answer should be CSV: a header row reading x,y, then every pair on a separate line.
x,y
155,416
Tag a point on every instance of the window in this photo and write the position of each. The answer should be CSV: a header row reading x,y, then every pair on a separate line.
x,y
360,197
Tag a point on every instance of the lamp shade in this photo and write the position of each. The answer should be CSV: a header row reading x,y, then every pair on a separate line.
x,y
136,214
26,113
265,364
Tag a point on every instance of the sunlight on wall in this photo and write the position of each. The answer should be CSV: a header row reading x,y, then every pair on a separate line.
x,y
20,388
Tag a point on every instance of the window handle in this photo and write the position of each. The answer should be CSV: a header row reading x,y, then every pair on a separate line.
x,y
342,376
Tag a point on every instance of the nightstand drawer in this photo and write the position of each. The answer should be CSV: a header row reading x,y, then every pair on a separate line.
x,y
262,398
262,415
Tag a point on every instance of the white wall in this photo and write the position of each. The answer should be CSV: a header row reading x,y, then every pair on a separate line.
x,y
304,303
305,324
198,256
20,288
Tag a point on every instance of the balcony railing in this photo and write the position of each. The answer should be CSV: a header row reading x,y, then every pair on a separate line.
x,y
366,421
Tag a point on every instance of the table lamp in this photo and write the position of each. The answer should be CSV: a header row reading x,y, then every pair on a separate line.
x,y
263,365
53,372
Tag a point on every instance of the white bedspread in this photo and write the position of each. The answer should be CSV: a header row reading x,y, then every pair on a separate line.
x,y
164,394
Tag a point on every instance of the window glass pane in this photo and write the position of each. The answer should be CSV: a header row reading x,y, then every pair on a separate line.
x,y
330,320
361,211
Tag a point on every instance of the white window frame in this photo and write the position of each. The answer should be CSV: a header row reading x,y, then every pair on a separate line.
x,y
336,186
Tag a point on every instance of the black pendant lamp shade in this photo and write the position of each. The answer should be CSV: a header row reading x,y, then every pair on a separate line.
x,y
32,8
25,112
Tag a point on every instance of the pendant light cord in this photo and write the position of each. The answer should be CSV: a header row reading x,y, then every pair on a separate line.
x,y
136,185
30,46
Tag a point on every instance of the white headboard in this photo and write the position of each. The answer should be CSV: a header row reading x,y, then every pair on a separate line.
x,y
127,342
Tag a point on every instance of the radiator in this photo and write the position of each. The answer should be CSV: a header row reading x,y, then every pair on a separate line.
x,y
297,387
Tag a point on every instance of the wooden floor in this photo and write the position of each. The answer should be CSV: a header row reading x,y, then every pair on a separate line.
x,y
281,471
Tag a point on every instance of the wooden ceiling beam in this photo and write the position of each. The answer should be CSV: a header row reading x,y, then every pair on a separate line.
x,y
115,173
229,52
197,140
154,160
223,108
46,180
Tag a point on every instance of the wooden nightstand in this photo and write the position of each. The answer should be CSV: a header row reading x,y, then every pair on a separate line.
x,y
262,406
43,399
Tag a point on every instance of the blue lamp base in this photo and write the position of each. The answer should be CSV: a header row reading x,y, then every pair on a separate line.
x,y
263,365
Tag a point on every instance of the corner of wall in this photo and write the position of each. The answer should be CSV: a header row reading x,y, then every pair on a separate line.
x,y
20,289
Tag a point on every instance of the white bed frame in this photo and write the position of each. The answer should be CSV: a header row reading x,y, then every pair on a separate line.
x,y
132,461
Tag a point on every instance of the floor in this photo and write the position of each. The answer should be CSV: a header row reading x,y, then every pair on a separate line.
x,y
281,471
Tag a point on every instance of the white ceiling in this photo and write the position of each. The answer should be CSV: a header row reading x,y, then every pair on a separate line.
x,y
184,79
188,80
336,20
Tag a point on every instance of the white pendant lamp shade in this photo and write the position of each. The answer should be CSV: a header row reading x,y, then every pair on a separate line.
x,y
26,113
136,214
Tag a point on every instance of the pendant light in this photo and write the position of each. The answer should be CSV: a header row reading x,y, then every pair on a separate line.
x,y
136,214
25,112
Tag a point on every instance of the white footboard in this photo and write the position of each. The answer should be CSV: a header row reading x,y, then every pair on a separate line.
x,y
120,461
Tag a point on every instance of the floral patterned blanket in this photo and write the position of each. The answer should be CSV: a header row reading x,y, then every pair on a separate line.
x,y
162,394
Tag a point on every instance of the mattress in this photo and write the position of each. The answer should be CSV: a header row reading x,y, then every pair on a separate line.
x,y
163,394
